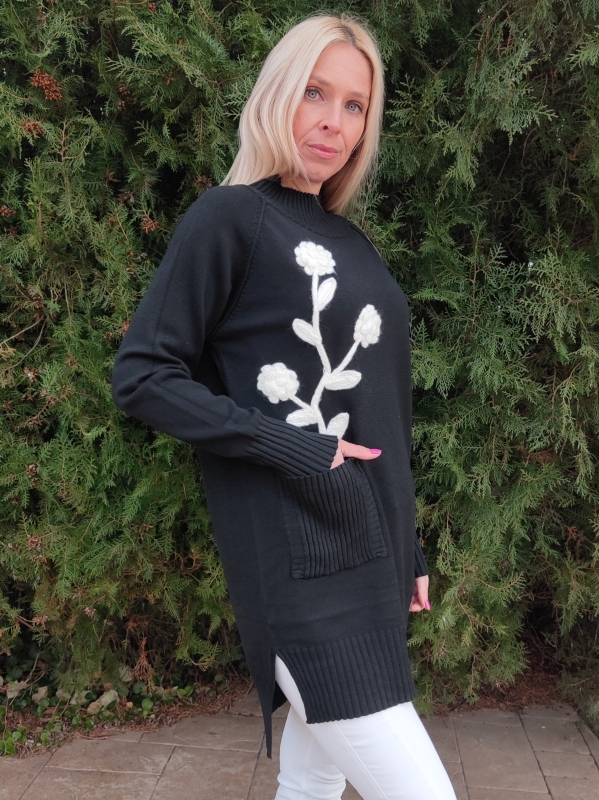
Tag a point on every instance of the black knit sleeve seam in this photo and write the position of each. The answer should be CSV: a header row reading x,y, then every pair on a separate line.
x,y
183,241
257,222
165,295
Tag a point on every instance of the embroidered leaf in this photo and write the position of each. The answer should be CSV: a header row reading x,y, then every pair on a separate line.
x,y
338,425
306,332
301,417
326,290
343,380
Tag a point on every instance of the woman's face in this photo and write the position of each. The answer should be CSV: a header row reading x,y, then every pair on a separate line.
x,y
331,116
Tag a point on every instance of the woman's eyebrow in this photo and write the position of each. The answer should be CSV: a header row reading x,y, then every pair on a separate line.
x,y
327,83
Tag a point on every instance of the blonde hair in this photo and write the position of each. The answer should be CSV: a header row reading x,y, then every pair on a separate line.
x,y
266,144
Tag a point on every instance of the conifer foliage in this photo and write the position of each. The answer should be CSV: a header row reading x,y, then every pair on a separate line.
x,y
115,116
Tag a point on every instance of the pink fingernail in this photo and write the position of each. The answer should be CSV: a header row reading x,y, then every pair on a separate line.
x,y
427,605
375,451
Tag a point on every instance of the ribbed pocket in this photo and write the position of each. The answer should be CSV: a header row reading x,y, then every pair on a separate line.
x,y
332,521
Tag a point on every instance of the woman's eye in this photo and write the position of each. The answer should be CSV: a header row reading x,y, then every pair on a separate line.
x,y
312,94
354,107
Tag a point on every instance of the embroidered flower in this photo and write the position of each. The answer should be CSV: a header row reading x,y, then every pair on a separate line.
x,y
314,258
368,326
278,382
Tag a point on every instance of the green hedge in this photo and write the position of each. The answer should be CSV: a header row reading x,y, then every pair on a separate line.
x,y
115,116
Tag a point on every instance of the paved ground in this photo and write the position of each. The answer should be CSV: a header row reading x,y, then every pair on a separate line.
x,y
490,755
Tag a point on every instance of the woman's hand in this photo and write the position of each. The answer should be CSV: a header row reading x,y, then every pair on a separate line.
x,y
354,451
420,599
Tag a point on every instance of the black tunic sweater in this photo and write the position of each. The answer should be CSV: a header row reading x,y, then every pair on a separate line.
x,y
271,329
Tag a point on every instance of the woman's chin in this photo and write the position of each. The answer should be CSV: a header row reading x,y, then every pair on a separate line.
x,y
319,173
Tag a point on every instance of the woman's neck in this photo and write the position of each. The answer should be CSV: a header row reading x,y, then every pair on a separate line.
x,y
301,185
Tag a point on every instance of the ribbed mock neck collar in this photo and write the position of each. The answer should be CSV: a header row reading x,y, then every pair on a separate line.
x,y
304,207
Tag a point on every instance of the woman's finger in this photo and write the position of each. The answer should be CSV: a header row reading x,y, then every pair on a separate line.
x,y
414,602
422,591
420,599
350,450
338,458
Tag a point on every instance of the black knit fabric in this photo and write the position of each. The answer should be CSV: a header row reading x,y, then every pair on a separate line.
x,y
372,670
271,329
331,520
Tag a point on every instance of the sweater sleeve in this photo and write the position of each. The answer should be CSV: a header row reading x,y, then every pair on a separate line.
x,y
421,567
193,290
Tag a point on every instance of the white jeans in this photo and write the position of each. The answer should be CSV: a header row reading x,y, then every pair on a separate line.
x,y
387,755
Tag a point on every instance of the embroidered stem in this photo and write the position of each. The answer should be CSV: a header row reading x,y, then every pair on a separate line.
x,y
348,357
316,397
315,403
316,324
299,402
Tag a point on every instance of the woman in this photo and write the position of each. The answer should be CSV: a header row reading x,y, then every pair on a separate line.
x,y
273,339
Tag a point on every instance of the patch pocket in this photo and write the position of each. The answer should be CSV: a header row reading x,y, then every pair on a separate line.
x,y
331,520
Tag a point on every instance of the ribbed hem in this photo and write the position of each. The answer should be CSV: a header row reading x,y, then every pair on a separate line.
x,y
303,207
293,451
331,521
420,565
352,677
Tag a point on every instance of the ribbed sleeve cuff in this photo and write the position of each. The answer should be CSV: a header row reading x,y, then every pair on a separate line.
x,y
420,567
293,451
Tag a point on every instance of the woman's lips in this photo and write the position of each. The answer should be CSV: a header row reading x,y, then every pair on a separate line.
x,y
322,151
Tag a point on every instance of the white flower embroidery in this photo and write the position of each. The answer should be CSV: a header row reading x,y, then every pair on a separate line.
x,y
368,326
314,258
278,382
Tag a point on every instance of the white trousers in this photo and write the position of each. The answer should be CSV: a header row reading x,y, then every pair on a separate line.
x,y
387,755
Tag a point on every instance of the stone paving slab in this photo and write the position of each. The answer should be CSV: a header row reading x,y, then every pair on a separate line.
x,y
17,774
203,774
456,776
226,732
554,735
592,742
126,736
487,715
539,754
573,788
249,706
556,711
498,757
442,732
505,794
568,765
64,784
111,756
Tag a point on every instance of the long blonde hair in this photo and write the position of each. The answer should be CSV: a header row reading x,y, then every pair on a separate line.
x,y
266,144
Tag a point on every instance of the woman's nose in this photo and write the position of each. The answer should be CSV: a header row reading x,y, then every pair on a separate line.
x,y
331,122
332,127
